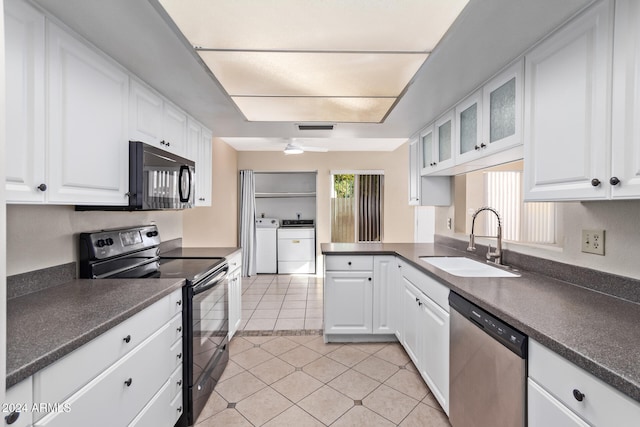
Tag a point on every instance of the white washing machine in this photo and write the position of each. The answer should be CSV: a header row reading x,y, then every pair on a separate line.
x,y
267,245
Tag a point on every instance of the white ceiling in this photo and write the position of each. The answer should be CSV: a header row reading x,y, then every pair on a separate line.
x,y
487,35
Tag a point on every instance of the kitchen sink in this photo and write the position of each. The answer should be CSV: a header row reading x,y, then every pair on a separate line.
x,y
465,267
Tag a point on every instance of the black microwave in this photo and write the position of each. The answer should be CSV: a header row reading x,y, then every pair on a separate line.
x,y
158,180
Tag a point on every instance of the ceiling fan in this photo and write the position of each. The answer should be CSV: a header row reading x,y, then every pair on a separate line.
x,y
295,148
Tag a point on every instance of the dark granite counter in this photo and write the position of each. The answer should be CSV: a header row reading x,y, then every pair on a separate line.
x,y
593,330
44,326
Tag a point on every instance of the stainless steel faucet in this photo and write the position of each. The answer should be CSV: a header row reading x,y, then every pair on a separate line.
x,y
495,256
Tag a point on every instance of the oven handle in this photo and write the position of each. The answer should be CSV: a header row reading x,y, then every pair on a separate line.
x,y
219,277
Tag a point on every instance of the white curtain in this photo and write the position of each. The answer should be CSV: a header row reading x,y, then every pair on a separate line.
x,y
248,222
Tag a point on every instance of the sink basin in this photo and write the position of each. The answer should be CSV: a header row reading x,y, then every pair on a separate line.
x,y
465,267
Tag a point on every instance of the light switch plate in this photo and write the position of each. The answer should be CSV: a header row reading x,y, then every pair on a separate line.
x,y
593,241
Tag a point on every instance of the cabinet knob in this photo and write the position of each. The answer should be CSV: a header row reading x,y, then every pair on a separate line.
x,y
578,395
179,302
179,329
369,279
128,382
614,180
180,409
42,187
12,417
127,338
349,263
162,142
483,145
168,144
179,356
417,299
179,382
595,182
477,147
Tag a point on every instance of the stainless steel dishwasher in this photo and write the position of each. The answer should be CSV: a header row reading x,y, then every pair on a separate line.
x,y
488,369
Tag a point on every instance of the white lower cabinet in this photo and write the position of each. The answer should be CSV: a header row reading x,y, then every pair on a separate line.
x,y
385,296
18,404
425,331
88,387
562,394
235,293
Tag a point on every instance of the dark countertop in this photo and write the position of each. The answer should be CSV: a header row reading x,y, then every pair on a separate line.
x,y
44,326
593,330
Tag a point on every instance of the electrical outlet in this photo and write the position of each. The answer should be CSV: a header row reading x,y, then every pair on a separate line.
x,y
593,241
448,223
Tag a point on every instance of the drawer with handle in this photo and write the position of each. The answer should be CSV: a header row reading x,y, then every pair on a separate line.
x,y
349,262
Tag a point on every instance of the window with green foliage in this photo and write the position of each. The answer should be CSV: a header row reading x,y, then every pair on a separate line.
x,y
356,207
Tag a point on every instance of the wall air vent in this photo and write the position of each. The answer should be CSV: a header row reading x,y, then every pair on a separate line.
x,y
315,127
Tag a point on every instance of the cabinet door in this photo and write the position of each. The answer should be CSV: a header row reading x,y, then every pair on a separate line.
x,y
174,133
414,172
544,410
145,120
235,302
434,366
502,110
204,169
567,91
625,144
427,150
384,273
25,98
469,128
88,111
411,321
444,133
348,302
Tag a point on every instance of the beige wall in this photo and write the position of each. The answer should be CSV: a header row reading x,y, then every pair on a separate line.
x,y
45,236
216,225
398,215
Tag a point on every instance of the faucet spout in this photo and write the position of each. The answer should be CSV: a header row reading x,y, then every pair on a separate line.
x,y
493,256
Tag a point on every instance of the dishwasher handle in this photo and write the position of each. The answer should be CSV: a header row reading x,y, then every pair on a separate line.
x,y
506,335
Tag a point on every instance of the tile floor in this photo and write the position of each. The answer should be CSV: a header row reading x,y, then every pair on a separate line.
x,y
299,381
281,302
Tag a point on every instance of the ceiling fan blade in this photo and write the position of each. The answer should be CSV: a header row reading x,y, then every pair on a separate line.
x,y
315,149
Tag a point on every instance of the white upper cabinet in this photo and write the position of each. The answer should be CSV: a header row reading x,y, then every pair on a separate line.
x,y
502,110
145,120
414,172
469,128
625,135
88,106
25,98
567,93
437,142
199,149
174,122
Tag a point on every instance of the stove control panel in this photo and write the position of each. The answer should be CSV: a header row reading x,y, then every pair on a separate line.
x,y
110,243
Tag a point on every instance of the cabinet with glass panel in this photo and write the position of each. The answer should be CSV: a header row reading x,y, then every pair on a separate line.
x,y
490,120
436,143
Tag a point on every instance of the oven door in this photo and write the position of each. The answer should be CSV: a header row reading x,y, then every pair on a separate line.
x,y
208,355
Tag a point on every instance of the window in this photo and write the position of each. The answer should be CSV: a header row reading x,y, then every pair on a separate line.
x,y
356,207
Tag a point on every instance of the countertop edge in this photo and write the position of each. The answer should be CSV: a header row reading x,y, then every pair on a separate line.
x,y
25,371
616,380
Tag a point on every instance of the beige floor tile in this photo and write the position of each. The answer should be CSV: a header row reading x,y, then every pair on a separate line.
x,y
315,296
243,323
425,416
249,305
232,369
269,305
297,386
324,369
354,384
239,387
321,347
369,347
214,405
294,417
359,416
302,339
288,305
348,356
289,324
300,356
279,345
263,406
296,313
254,291
272,370
313,313
315,303
313,323
411,367
252,357
278,290
260,324
393,353
265,314
238,345
295,297
297,291
251,297
276,298
259,340
326,404
389,403
227,418
430,400
408,383
376,368
246,314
